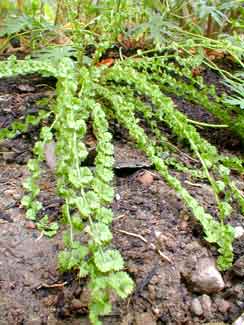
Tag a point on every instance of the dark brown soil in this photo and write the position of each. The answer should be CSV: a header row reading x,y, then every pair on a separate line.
x,y
32,292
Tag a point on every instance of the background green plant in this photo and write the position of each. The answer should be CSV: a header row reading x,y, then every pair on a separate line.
x,y
86,93
159,20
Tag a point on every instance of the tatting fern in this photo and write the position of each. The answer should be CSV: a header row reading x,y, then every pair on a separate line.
x,y
92,93
237,87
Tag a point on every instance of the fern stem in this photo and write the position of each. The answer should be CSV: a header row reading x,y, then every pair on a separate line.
x,y
207,124
69,221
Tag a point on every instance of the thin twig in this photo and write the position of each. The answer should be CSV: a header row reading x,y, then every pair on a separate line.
x,y
119,217
192,184
55,285
181,152
152,246
207,124
164,257
133,235
121,54
40,237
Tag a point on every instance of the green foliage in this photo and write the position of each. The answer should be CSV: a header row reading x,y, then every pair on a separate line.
x,y
130,89
87,193
237,87
218,233
21,127
35,32
169,77
12,67
48,229
171,21
13,25
54,53
31,8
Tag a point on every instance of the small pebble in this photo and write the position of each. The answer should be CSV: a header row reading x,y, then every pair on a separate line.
x,y
222,305
151,291
165,240
50,155
9,192
196,307
17,196
9,156
145,318
239,232
240,303
33,321
184,225
239,320
206,305
238,267
26,88
85,297
76,304
30,225
205,277
146,178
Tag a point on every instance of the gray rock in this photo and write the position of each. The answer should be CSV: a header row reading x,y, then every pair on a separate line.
x,y
206,304
205,277
238,267
196,307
